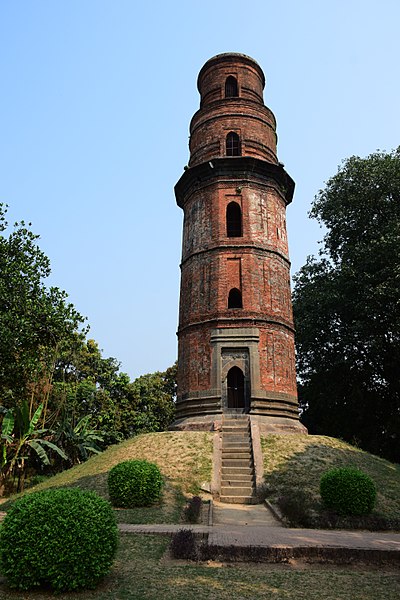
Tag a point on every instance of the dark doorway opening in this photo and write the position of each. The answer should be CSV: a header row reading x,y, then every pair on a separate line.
x,y
236,390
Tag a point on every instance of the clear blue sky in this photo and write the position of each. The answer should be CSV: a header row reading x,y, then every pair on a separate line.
x,y
95,106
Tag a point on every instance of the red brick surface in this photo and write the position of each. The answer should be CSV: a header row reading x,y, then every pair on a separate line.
x,y
246,114
257,263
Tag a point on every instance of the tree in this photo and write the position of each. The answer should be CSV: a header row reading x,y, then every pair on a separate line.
x,y
20,436
347,308
57,392
85,383
35,321
37,324
154,396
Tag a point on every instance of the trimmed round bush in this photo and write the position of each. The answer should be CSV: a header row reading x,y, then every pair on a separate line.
x,y
64,538
134,483
348,491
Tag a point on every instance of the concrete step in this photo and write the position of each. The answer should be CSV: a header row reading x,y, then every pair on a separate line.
x,y
236,449
239,462
235,417
228,471
236,456
238,490
237,477
234,435
237,499
234,439
240,427
228,483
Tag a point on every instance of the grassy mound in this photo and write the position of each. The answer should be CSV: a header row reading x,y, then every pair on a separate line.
x,y
294,465
184,459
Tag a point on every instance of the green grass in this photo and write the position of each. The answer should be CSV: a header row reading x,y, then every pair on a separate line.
x,y
141,573
294,464
184,459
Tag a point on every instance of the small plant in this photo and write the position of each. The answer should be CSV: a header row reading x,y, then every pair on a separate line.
x,y
134,483
295,507
64,538
193,509
348,491
36,479
183,545
21,436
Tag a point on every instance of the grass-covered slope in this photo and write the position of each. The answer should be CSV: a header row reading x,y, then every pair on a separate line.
x,y
184,459
294,464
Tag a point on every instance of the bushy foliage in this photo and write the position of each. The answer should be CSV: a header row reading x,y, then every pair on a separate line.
x,y
134,483
346,309
348,491
35,320
183,545
295,508
65,539
193,509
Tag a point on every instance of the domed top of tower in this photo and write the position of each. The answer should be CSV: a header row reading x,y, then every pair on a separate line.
x,y
231,75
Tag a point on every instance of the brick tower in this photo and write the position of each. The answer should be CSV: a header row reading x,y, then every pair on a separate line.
x,y
235,336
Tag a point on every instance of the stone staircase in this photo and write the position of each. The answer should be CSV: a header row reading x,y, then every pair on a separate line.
x,y
237,465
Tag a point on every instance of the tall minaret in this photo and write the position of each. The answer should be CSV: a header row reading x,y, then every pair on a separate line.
x,y
235,336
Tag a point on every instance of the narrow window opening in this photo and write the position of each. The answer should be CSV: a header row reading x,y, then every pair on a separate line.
x,y
233,220
233,144
231,87
235,299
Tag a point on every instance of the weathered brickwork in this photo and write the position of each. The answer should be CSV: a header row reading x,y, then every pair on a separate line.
x,y
235,306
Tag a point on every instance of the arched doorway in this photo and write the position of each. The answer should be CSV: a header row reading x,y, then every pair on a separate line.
x,y
236,390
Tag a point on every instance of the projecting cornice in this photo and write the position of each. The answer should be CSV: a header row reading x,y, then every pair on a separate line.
x,y
236,168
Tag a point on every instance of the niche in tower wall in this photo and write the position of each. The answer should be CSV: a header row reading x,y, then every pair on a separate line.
x,y
235,384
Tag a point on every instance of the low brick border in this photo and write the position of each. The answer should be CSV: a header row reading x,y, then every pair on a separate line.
x,y
309,554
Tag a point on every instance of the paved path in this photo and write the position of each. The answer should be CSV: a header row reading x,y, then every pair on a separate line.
x,y
243,514
244,526
278,537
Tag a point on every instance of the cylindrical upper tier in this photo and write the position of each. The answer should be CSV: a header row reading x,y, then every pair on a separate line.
x,y
248,73
232,120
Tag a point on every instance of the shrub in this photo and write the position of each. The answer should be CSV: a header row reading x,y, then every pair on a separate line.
x,y
296,509
65,539
348,491
134,483
36,479
193,509
183,545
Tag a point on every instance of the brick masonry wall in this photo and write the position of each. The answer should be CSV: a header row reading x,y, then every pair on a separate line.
x,y
254,124
256,263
